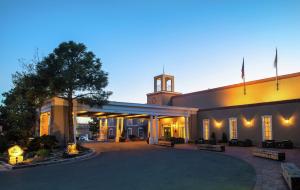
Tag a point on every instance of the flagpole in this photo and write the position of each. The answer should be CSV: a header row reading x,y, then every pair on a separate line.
x,y
243,75
276,67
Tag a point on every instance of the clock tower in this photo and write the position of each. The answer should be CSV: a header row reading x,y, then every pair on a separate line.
x,y
163,90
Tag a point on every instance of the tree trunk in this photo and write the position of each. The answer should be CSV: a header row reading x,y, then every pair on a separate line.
x,y
70,118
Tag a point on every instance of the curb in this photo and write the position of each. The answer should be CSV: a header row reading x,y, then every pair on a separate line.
x,y
7,167
69,160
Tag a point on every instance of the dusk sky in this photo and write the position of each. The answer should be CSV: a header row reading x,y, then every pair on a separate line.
x,y
201,43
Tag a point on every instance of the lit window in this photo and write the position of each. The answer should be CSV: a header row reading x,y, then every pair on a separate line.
x,y
206,129
267,127
233,128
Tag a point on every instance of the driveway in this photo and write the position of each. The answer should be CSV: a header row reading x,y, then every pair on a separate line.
x,y
130,166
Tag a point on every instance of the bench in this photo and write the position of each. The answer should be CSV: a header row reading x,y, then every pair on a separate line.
x,y
269,154
166,143
218,148
291,174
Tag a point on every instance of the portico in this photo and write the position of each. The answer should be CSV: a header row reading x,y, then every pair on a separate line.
x,y
163,121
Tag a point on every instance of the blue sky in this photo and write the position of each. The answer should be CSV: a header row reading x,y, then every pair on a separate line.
x,y
201,43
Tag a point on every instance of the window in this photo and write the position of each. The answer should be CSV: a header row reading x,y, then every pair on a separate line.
x,y
129,121
206,129
267,127
129,132
141,132
233,128
111,132
169,85
158,85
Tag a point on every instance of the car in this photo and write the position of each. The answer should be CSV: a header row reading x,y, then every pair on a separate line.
x,y
84,138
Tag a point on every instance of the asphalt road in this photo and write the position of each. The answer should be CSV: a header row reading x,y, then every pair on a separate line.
x,y
139,169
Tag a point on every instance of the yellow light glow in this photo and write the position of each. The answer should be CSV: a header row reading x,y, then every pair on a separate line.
x,y
218,124
247,122
72,149
15,154
287,121
44,123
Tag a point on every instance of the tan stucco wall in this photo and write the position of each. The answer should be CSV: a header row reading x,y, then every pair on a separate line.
x,y
279,113
257,92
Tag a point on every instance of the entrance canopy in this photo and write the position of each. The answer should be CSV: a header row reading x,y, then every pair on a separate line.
x,y
133,110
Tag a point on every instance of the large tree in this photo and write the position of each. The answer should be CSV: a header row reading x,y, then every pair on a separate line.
x,y
74,73
18,112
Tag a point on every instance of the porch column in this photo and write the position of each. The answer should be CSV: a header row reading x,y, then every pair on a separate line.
x,y
122,126
106,128
150,127
156,130
100,137
186,120
117,137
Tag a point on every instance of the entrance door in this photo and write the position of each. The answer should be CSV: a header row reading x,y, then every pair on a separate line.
x,y
167,132
267,127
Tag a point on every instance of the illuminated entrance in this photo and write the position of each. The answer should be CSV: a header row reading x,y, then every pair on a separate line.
x,y
163,121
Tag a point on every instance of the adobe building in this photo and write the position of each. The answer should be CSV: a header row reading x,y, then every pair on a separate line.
x,y
263,113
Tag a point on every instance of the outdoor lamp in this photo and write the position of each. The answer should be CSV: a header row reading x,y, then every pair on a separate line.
x,y
15,154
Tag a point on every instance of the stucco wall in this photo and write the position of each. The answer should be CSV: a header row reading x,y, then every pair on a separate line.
x,y
257,92
280,114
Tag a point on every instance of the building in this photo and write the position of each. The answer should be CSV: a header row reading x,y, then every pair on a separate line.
x,y
262,113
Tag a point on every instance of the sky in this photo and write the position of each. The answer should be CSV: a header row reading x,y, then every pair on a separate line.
x,y
200,42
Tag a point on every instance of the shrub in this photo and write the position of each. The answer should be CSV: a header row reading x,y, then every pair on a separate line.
x,y
49,141
34,144
43,153
213,136
44,142
3,144
16,135
224,138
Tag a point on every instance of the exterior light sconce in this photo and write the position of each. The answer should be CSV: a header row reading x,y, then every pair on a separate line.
x,y
218,124
248,123
287,121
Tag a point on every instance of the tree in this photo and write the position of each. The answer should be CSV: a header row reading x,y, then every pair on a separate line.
x,y
74,73
94,126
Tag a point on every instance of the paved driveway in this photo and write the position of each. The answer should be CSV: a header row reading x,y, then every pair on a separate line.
x,y
130,166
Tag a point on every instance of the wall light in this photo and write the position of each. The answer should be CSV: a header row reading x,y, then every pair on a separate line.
x,y
287,121
247,122
218,124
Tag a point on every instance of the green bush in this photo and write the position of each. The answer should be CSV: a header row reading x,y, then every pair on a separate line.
x,y
49,141
213,136
34,144
224,138
44,142
16,136
3,144
43,153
